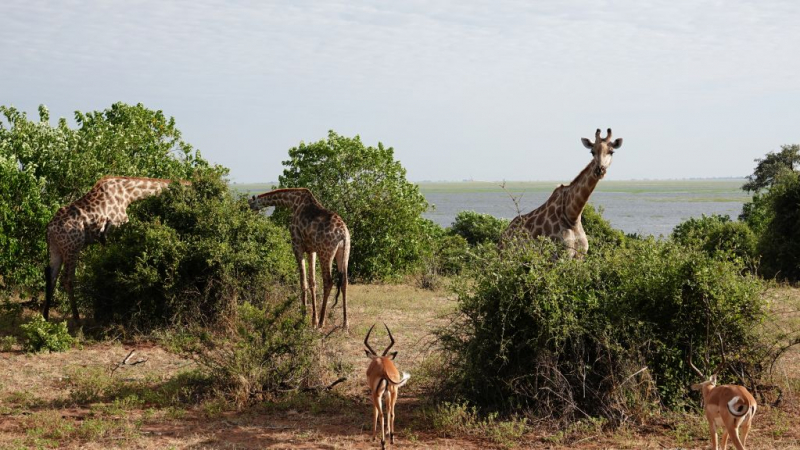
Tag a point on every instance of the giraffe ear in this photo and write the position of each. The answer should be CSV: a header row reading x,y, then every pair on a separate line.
x,y
617,143
587,143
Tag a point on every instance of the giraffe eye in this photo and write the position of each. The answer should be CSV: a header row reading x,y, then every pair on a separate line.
x,y
611,152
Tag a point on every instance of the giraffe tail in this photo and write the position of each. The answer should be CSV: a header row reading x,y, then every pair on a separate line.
x,y
338,289
48,290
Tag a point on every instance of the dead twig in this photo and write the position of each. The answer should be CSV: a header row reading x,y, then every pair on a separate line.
x,y
125,362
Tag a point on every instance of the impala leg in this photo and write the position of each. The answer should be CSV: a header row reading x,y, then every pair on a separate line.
x,y
380,414
713,429
746,428
392,403
734,433
724,440
374,416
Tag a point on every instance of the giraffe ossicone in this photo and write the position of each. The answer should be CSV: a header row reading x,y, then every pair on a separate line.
x,y
86,221
314,230
559,218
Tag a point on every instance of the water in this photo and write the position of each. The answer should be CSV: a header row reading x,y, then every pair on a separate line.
x,y
644,207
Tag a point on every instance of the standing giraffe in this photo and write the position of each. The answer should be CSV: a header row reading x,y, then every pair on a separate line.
x,y
86,221
559,218
314,229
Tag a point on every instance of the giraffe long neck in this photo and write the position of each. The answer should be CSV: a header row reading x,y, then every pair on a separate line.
x,y
290,198
579,191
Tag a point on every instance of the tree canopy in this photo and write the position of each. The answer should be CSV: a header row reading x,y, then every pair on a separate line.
x,y
770,168
367,187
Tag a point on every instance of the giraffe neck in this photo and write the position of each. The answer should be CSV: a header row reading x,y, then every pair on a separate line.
x,y
579,191
293,198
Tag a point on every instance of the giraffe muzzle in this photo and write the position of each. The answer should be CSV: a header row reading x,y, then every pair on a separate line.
x,y
600,171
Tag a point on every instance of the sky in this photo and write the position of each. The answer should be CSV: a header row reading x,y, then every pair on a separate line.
x,y
495,90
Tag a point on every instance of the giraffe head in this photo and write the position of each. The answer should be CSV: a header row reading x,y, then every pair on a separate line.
x,y
602,151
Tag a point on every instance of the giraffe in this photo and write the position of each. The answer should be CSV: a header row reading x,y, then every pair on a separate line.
x,y
314,229
86,221
559,218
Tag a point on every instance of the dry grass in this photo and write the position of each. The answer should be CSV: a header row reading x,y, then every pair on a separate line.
x,y
71,400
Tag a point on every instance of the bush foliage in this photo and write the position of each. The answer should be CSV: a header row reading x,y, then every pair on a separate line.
x,y
192,253
263,350
718,236
477,228
569,338
43,336
367,187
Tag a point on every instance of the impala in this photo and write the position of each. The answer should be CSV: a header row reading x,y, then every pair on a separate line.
x,y
383,378
728,406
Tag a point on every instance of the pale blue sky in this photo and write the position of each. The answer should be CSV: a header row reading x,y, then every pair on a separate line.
x,y
486,90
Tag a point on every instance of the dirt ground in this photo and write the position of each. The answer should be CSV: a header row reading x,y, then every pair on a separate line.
x,y
41,407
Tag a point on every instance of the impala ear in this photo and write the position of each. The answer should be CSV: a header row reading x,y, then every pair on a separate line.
x,y
587,143
697,387
713,380
393,355
369,354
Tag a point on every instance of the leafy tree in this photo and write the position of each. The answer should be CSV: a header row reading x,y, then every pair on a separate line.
x,y
770,168
779,243
23,217
368,188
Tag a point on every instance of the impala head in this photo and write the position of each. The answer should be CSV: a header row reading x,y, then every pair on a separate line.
x,y
372,353
602,150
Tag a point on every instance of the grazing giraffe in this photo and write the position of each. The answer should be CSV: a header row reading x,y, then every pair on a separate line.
x,y
559,218
314,229
86,221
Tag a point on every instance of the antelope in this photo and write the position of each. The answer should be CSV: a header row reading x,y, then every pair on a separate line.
x,y
383,378
728,406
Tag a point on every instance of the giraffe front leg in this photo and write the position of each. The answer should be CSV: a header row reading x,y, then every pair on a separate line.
x,y
301,267
312,281
50,278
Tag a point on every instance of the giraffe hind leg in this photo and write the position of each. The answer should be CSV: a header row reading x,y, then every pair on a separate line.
x,y
51,272
326,264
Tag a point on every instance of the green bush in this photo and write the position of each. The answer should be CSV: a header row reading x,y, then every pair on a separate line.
x,y
41,336
263,351
718,236
477,228
192,253
568,337
367,187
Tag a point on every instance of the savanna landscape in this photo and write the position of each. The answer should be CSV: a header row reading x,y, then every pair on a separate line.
x,y
192,333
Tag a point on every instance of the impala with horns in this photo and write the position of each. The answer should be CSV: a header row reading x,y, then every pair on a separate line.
x,y
383,378
728,406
